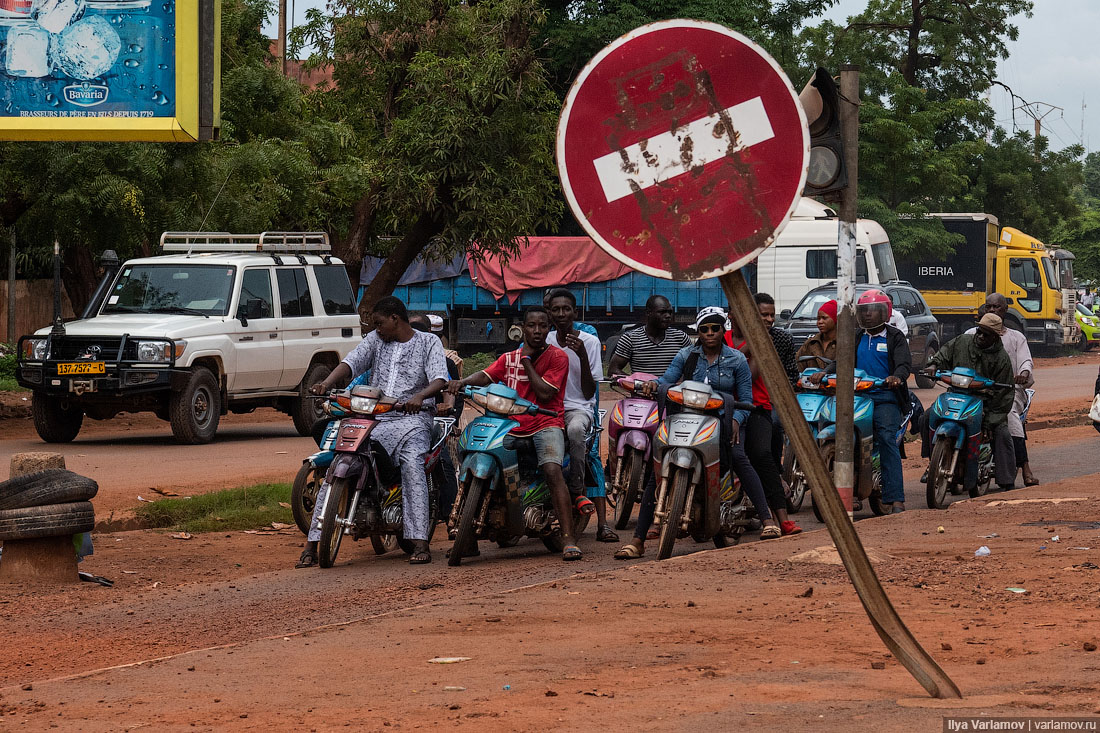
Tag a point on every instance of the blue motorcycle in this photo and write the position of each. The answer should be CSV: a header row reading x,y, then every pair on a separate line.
x,y
955,425
502,495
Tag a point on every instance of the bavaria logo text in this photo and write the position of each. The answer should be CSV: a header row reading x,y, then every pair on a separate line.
x,y
85,94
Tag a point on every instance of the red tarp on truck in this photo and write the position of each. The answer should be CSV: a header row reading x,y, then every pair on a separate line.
x,y
546,262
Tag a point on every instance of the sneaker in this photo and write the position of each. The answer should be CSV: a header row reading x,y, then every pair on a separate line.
x,y
789,527
898,508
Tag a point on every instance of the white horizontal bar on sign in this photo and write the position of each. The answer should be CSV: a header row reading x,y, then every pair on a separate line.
x,y
664,159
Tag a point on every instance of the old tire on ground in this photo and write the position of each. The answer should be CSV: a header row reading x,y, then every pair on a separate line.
x,y
680,480
632,469
52,486
56,420
196,409
922,381
306,410
52,520
465,539
936,488
303,495
336,507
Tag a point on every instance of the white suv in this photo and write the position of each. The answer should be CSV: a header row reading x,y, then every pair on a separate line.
x,y
223,323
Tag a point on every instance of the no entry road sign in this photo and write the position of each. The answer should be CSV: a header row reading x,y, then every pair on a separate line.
x,y
682,149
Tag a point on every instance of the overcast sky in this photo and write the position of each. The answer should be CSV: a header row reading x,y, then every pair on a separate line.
x,y
1056,62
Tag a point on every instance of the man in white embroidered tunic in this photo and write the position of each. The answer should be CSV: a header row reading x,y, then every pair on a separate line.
x,y
409,366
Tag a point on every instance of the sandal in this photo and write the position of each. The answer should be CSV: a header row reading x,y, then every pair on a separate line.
x,y
652,534
771,532
629,552
583,505
1033,482
571,552
606,534
308,559
420,557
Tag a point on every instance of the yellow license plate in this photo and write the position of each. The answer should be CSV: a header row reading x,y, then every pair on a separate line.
x,y
83,367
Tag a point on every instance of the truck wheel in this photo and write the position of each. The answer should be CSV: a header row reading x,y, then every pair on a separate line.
x,y
52,520
922,381
55,421
307,408
196,409
52,486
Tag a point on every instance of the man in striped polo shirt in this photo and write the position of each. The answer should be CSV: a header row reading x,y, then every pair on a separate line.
x,y
652,347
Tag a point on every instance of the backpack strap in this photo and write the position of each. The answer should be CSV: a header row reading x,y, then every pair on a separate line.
x,y
689,366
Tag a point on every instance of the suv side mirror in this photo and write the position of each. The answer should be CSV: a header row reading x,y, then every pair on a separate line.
x,y
251,308
786,314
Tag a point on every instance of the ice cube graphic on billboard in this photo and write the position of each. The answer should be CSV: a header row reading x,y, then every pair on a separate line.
x,y
87,58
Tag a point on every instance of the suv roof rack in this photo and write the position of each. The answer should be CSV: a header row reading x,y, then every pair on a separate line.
x,y
266,242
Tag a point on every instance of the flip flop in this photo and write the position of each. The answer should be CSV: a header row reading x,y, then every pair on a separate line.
x,y
584,505
307,560
420,557
571,552
606,534
629,552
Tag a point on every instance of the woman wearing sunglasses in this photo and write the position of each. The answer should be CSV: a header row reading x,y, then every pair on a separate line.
x,y
726,370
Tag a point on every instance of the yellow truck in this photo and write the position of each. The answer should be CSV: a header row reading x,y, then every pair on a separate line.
x,y
1036,280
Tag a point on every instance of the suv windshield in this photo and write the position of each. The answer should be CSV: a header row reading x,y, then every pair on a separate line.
x,y
203,290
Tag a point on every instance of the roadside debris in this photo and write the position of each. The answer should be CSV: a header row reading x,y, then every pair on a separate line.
x,y
448,660
982,551
181,535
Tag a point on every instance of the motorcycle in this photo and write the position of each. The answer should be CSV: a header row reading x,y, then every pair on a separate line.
x,y
307,483
955,424
818,403
364,485
633,422
692,496
502,494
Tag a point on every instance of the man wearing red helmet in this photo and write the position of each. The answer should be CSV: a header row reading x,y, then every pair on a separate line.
x,y
882,351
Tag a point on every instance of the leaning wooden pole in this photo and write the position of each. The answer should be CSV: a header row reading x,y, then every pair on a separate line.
x,y
898,639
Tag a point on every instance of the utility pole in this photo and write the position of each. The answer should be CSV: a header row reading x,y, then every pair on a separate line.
x,y
1037,111
844,468
281,42
12,335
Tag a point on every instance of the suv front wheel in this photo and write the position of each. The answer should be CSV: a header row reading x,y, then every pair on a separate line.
x,y
55,421
197,408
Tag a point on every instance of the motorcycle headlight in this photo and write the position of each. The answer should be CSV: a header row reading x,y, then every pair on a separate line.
x,y
34,349
695,399
500,405
961,380
364,404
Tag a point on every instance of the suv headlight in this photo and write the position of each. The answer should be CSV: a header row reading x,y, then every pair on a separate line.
x,y
34,349
159,351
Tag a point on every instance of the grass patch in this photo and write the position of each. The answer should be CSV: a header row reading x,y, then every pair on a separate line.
x,y
475,363
7,368
249,507
8,384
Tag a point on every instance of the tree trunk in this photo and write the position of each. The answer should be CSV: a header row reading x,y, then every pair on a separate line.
x,y
412,244
350,248
912,55
79,275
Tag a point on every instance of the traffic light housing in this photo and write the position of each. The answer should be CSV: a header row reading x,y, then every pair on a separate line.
x,y
827,173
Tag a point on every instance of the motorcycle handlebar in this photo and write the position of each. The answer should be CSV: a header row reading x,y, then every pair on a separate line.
x,y
548,413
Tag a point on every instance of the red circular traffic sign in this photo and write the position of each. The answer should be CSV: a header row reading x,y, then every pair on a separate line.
x,y
682,149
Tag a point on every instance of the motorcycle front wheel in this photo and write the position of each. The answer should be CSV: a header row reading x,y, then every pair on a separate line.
x,y
465,537
629,478
303,496
794,478
670,530
942,455
336,508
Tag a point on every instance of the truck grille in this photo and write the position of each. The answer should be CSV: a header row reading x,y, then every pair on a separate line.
x,y
92,348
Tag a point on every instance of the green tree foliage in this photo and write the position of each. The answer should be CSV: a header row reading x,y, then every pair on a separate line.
x,y
453,114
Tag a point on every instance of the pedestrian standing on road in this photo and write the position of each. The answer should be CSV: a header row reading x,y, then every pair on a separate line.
x,y
761,430
1015,343
581,400
409,366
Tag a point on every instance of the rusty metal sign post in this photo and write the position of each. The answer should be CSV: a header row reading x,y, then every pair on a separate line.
x,y
682,150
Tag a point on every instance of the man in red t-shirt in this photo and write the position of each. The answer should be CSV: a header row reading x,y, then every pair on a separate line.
x,y
538,371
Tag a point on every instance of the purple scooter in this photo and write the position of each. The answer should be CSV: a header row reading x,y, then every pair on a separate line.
x,y
633,423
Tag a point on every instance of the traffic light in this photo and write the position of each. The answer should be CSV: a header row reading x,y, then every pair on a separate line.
x,y
821,100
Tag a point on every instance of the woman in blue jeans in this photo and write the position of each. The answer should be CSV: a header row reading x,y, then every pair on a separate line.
x,y
726,370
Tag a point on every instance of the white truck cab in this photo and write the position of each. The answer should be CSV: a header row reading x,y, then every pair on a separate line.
x,y
220,322
804,255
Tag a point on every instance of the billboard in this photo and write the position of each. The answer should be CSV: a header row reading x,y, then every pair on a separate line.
x,y
114,70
